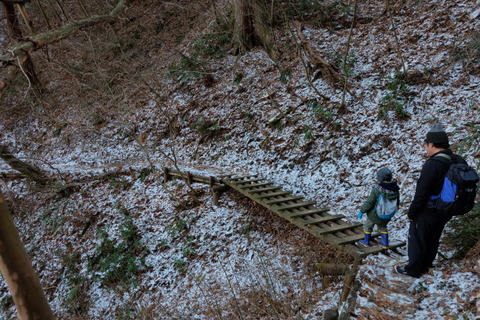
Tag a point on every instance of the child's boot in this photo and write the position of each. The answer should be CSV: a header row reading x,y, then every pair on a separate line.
x,y
366,240
384,240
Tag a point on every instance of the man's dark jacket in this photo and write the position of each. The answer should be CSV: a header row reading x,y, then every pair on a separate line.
x,y
431,181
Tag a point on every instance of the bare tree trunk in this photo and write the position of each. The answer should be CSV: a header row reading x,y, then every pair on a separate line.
x,y
27,66
19,53
252,26
31,172
12,21
16,268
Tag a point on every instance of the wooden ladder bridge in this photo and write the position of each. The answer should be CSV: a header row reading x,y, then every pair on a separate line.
x,y
331,228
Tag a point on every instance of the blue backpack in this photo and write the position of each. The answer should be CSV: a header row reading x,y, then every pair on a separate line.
x,y
386,208
459,190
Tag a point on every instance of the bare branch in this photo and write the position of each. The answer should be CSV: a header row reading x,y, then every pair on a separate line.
x,y
19,52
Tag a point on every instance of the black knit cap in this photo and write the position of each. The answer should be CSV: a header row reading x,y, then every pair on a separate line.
x,y
436,135
384,174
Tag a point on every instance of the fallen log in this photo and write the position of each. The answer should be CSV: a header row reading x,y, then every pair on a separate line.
x,y
331,269
29,171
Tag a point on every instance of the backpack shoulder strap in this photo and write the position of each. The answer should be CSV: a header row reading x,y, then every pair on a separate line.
x,y
443,155
443,158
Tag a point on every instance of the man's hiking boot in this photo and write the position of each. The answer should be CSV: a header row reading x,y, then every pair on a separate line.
x,y
402,271
384,240
366,241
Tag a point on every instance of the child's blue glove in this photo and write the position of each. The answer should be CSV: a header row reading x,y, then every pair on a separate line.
x,y
360,215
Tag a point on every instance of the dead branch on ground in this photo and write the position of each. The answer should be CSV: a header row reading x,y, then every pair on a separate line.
x,y
31,172
327,71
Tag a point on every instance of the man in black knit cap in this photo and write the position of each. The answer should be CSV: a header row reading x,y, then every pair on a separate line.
x,y
426,222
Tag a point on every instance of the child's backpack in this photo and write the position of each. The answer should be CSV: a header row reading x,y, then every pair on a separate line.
x,y
459,190
386,208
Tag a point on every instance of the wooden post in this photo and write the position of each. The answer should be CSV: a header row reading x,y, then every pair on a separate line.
x,y
16,268
350,303
347,284
216,197
189,178
330,269
217,192
166,175
330,314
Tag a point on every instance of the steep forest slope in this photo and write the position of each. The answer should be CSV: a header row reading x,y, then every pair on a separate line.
x,y
343,91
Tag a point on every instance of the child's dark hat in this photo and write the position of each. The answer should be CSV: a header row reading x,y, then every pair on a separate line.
x,y
384,174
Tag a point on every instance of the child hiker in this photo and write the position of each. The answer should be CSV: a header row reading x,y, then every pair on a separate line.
x,y
380,206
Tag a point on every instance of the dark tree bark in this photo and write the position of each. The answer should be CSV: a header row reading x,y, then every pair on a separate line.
x,y
252,25
12,20
31,172
18,54
16,34
16,268
15,1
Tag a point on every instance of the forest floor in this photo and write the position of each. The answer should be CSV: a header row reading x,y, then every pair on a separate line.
x,y
163,87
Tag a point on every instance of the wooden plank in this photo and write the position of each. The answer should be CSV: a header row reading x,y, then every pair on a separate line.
x,y
239,178
248,181
365,251
254,185
337,228
187,175
275,201
262,190
324,219
274,194
353,238
307,213
395,245
295,206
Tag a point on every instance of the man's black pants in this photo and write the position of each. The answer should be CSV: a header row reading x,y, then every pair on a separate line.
x,y
423,240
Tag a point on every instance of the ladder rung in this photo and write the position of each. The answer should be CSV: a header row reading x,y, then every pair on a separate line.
x,y
295,205
340,227
364,251
275,201
353,238
241,177
247,181
264,190
307,213
256,185
275,194
324,219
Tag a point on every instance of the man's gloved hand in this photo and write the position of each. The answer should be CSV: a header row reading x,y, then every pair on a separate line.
x,y
360,215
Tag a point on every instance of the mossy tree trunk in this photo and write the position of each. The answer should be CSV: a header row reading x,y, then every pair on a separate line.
x,y
31,172
16,268
252,25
